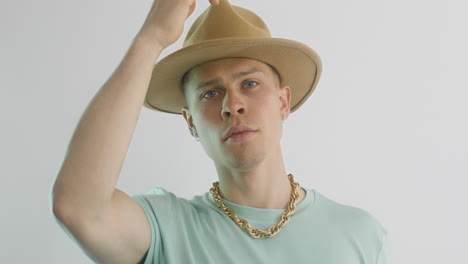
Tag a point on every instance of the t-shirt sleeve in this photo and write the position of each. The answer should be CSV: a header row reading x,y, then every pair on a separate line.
x,y
384,256
146,201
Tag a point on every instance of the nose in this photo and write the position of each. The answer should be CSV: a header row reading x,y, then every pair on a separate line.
x,y
233,105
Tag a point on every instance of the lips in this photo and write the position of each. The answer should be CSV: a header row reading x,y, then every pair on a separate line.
x,y
238,131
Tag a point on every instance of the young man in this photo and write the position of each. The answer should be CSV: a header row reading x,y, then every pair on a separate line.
x,y
234,85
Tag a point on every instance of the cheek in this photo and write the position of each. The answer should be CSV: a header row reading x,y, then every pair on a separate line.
x,y
210,111
207,119
268,105
268,112
210,114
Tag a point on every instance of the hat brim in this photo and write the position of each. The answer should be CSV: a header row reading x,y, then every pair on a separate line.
x,y
299,66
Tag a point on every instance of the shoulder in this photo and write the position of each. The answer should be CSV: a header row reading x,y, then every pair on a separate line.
x,y
155,197
160,199
350,218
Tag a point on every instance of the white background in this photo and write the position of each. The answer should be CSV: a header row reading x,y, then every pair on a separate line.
x,y
384,131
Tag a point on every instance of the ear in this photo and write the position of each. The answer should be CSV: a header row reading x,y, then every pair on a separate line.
x,y
285,101
189,119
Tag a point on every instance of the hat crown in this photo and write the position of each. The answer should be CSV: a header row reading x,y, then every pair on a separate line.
x,y
226,21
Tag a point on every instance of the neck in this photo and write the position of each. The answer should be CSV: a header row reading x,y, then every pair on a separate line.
x,y
266,185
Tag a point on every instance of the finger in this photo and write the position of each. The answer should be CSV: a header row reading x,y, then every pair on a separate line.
x,y
214,2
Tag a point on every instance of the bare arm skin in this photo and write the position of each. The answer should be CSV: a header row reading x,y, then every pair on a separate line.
x,y
107,224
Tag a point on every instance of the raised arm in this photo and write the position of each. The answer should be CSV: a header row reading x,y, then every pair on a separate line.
x,y
108,225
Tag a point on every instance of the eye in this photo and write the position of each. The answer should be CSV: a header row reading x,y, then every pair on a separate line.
x,y
250,84
210,94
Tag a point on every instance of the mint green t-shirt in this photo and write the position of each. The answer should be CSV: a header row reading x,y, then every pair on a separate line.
x,y
321,231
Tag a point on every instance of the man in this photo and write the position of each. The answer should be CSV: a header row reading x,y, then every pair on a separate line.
x,y
234,85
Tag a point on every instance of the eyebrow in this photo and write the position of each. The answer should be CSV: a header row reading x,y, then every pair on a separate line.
x,y
236,76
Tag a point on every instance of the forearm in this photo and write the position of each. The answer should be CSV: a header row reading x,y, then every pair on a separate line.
x,y
97,150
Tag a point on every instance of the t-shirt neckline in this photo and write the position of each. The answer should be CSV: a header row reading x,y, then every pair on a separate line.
x,y
264,214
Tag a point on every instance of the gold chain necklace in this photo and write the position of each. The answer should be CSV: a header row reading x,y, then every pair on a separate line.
x,y
244,225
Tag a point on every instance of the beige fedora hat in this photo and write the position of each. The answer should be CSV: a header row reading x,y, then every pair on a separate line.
x,y
227,31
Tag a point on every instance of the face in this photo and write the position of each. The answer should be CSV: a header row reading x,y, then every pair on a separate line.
x,y
236,106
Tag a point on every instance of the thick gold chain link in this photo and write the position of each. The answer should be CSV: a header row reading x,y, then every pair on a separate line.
x,y
244,225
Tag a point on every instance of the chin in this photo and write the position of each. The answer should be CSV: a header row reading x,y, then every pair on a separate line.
x,y
244,156
245,162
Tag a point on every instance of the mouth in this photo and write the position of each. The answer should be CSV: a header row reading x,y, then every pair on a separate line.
x,y
239,134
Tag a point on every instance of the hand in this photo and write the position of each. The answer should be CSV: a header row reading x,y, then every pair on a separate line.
x,y
165,21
